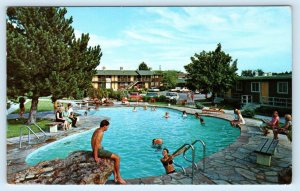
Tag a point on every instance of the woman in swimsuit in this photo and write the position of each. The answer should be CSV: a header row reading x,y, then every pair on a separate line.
x,y
167,161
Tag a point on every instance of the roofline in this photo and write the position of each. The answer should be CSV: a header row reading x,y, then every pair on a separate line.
x,y
133,72
265,77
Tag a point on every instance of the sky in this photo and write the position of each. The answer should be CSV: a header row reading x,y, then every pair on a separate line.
x,y
259,37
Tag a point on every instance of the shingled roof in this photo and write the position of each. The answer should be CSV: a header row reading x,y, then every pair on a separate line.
x,y
117,72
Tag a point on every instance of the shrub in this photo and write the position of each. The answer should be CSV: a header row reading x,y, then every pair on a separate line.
x,y
231,103
268,111
248,113
162,88
146,98
161,98
173,101
198,104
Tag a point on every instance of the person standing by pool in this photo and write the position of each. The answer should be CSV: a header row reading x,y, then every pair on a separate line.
x,y
99,152
22,106
72,115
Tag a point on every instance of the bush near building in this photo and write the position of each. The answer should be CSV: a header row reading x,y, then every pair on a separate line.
x,y
267,111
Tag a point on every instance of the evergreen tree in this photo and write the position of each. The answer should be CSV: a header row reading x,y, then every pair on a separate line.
x,y
143,66
44,57
211,71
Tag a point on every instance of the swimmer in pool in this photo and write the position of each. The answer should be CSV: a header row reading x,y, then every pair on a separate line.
x,y
157,143
167,115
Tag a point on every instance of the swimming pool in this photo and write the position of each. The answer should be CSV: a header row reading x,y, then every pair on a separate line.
x,y
130,135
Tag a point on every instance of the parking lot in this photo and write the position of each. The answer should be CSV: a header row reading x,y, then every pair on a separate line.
x,y
183,96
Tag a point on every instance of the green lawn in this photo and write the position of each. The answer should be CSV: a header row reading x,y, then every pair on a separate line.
x,y
43,105
160,103
13,127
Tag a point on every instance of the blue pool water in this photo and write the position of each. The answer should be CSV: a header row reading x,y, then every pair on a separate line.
x,y
130,135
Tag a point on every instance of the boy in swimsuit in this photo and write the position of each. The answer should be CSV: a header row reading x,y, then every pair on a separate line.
x,y
99,152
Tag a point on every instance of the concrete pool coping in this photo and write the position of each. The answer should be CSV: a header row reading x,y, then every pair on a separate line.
x,y
235,164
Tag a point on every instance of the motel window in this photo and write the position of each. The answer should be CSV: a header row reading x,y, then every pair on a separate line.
x,y
239,85
282,87
255,87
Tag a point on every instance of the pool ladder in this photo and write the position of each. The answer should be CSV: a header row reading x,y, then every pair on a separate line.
x,y
194,165
29,131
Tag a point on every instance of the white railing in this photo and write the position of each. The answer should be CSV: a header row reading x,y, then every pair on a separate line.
x,y
276,101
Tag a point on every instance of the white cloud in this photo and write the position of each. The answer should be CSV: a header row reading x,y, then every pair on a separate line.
x,y
104,42
170,36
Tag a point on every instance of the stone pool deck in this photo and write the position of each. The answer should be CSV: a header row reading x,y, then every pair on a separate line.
x,y
235,164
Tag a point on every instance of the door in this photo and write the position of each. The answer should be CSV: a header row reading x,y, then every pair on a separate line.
x,y
264,97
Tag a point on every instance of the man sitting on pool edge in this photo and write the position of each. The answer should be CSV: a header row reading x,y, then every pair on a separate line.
x,y
99,152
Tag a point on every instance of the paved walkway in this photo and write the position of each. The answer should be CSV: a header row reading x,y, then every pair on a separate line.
x,y
235,164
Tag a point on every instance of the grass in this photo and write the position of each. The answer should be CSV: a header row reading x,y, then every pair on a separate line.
x,y
13,127
160,103
43,105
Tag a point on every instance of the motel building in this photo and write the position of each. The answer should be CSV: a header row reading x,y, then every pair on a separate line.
x,y
126,79
267,90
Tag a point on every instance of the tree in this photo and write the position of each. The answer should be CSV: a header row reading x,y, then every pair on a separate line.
x,y
211,71
143,66
251,73
259,72
44,57
247,73
170,78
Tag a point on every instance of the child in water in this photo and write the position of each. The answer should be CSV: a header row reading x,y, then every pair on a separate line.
x,y
184,114
167,115
134,109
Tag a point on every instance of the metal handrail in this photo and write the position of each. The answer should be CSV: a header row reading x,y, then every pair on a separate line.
x,y
193,156
178,165
29,130
40,128
204,151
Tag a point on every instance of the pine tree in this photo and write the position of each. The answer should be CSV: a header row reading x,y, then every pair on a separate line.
x,y
44,57
143,66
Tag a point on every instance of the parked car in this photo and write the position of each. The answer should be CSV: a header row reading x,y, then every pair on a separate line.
x,y
152,94
184,90
172,95
177,89
153,90
135,95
